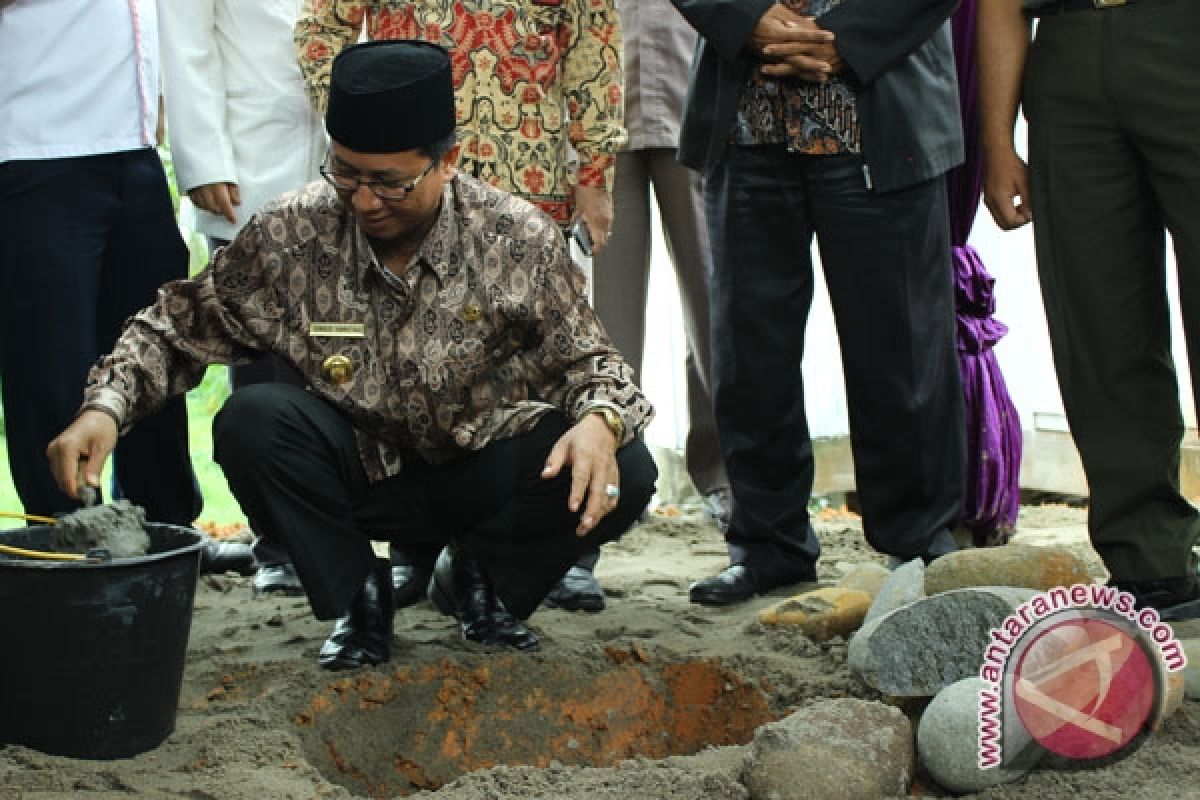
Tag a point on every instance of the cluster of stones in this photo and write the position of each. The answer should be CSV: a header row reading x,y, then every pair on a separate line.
x,y
918,635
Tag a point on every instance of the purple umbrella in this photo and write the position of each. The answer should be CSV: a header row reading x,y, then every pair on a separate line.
x,y
993,427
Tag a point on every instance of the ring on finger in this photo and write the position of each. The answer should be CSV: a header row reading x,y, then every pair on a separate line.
x,y
612,491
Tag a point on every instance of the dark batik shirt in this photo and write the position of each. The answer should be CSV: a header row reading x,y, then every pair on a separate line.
x,y
810,118
487,329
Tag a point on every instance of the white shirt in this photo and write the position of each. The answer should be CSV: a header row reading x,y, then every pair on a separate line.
x,y
80,77
237,111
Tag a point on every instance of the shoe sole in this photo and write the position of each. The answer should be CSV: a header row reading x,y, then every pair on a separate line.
x,y
590,606
278,591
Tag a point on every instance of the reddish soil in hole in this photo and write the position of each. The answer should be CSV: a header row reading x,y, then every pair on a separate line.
x,y
385,732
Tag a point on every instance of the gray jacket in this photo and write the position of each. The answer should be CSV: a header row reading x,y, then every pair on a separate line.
x,y
899,55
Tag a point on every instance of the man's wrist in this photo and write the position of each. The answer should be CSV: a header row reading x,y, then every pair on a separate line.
x,y
612,419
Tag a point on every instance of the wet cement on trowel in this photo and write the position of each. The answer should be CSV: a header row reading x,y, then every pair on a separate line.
x,y
118,527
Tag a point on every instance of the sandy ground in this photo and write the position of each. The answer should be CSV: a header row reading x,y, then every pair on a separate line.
x,y
647,699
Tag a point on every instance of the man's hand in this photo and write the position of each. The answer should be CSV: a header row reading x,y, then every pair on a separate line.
x,y
590,450
1006,189
794,60
594,206
792,45
82,449
217,198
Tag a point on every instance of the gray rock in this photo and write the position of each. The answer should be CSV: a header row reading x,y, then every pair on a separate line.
x,y
920,648
948,741
1029,566
868,578
905,585
844,749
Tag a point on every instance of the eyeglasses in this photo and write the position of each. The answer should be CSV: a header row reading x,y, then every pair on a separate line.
x,y
383,188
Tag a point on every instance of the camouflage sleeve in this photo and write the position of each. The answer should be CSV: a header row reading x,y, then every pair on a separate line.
x,y
592,82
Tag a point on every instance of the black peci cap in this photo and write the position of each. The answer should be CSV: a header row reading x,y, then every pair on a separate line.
x,y
389,96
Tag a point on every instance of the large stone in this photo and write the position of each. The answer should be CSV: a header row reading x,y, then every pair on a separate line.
x,y
867,578
820,614
845,749
948,741
1029,566
905,585
920,648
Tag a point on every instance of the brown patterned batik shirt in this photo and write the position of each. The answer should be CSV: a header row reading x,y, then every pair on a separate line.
x,y
810,118
486,330
530,76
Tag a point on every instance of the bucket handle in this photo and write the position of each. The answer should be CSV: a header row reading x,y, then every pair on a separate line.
x,y
42,554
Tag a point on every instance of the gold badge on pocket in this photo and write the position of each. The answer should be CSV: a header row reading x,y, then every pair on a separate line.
x,y
337,370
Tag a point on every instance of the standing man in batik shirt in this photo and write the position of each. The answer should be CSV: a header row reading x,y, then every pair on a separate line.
x,y
833,119
533,79
461,392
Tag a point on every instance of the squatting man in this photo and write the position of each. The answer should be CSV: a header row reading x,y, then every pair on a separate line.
x,y
461,391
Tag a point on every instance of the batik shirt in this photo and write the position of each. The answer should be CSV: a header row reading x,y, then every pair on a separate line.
x,y
810,118
486,330
529,77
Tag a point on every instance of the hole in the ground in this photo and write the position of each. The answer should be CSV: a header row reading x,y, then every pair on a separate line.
x,y
391,732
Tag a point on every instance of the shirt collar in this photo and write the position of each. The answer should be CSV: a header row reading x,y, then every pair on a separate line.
x,y
442,245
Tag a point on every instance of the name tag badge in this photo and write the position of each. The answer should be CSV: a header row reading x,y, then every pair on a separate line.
x,y
349,330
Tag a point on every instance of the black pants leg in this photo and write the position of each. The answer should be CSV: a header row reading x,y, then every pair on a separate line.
x,y
886,262
292,462
84,243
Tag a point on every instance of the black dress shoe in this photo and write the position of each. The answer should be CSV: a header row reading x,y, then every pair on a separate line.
x,y
1174,598
218,556
409,580
460,588
363,636
577,590
737,583
942,543
277,579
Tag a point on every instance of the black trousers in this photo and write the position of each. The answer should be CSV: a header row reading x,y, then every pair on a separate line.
x,y
84,243
1113,99
292,461
886,260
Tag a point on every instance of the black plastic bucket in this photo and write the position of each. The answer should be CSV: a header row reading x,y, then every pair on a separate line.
x,y
92,654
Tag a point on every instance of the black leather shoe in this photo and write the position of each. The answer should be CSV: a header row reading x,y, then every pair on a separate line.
x,y
577,590
737,583
459,588
942,543
218,556
1174,598
409,580
277,579
363,636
